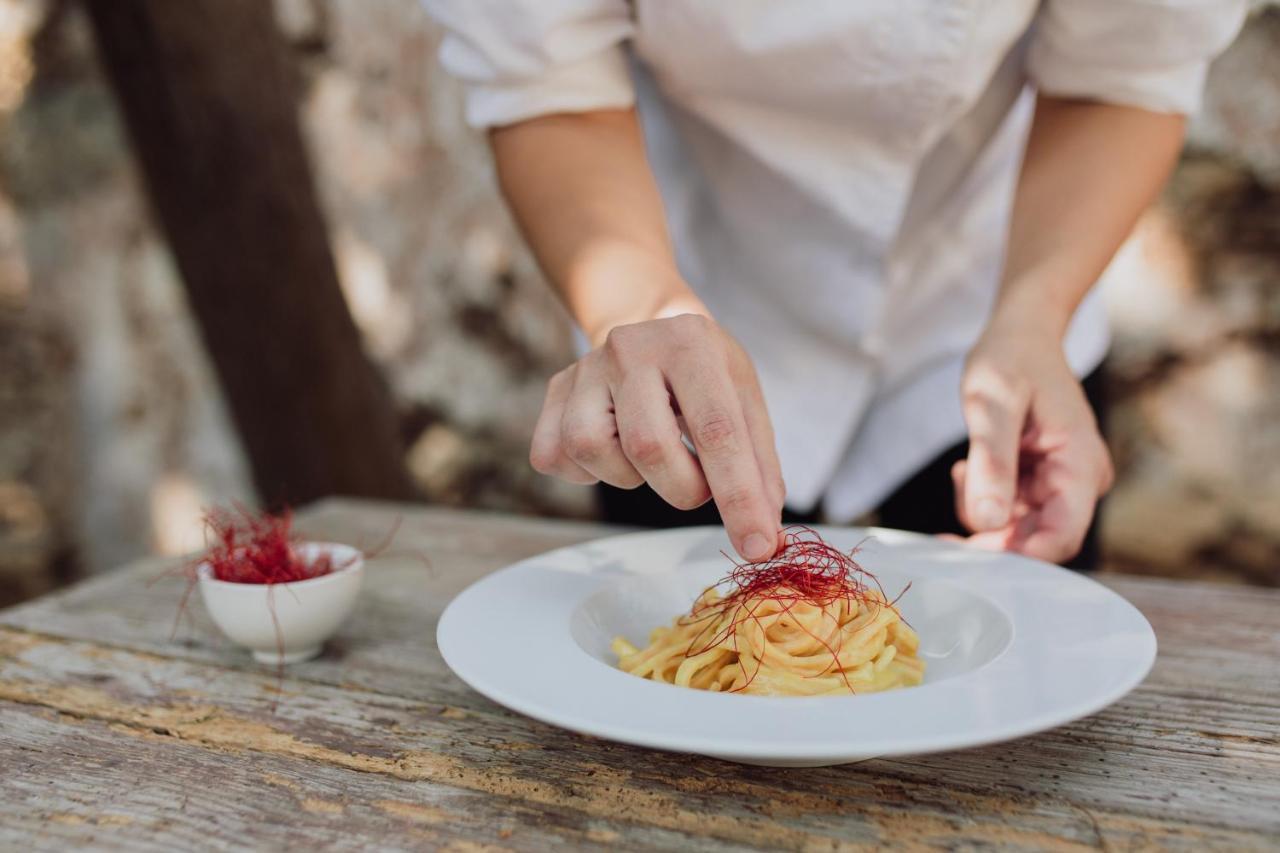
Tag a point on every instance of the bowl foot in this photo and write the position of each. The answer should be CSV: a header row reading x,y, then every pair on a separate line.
x,y
274,658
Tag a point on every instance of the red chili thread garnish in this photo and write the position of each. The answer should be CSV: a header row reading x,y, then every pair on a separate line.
x,y
251,548
259,549
806,570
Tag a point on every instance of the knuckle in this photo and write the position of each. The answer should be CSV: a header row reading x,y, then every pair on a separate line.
x,y
973,394
618,342
991,386
643,448
736,499
715,431
543,458
581,443
979,398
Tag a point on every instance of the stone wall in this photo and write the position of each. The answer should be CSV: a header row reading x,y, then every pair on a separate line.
x,y
1195,368
112,433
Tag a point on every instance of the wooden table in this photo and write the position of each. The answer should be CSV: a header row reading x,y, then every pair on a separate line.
x,y
114,736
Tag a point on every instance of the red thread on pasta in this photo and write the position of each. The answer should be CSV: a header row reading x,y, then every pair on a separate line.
x,y
806,570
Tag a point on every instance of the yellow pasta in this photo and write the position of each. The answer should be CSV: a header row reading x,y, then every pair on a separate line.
x,y
806,623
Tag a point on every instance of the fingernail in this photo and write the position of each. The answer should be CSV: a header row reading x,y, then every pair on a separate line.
x,y
756,547
990,514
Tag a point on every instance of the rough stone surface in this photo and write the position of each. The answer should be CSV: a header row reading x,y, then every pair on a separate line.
x,y
1241,114
112,432
1195,379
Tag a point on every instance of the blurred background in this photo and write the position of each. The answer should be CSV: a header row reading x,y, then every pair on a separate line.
x,y
126,405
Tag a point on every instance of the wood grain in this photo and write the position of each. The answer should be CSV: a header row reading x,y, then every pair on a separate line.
x,y
1188,761
508,755
81,782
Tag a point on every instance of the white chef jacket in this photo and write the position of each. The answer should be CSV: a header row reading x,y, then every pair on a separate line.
x,y
838,177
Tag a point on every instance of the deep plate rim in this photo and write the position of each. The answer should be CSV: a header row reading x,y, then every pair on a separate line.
x,y
457,645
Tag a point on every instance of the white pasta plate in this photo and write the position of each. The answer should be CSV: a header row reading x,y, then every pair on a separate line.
x,y
1012,647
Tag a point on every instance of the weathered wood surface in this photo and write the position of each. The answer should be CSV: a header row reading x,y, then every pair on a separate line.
x,y
113,735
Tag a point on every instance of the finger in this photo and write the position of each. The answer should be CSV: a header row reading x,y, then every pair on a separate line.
x,y
650,438
707,399
589,432
959,478
995,417
546,454
1103,466
1066,500
990,540
756,414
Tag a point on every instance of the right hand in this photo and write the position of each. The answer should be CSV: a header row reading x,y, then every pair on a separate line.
x,y
615,415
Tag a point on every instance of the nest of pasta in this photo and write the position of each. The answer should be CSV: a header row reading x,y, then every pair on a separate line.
x,y
808,622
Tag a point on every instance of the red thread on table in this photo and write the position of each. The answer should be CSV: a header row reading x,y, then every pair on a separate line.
x,y
806,570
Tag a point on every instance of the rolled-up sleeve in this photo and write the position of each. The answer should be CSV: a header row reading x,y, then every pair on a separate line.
x,y
1151,54
519,59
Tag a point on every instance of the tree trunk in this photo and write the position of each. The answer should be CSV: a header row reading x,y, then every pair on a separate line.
x,y
208,93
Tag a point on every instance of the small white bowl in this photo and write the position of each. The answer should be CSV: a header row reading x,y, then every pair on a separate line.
x,y
306,612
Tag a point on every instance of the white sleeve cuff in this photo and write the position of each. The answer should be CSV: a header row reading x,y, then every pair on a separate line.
x,y
600,81
519,59
1152,54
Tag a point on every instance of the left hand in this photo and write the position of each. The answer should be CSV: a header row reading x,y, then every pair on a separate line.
x,y
1037,463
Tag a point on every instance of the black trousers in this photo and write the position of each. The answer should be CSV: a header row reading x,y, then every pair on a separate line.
x,y
925,503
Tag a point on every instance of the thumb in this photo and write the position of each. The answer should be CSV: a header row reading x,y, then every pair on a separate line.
x,y
991,473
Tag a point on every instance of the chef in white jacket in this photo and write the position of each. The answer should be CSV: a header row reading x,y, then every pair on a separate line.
x,y
847,249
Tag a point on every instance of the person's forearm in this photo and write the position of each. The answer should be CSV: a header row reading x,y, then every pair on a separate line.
x,y
1090,171
581,190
